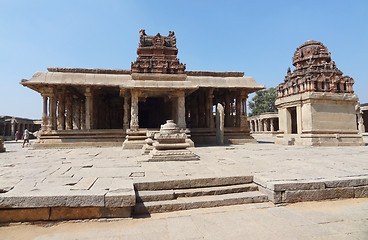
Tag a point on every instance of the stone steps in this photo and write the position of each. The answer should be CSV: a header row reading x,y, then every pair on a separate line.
x,y
184,194
186,203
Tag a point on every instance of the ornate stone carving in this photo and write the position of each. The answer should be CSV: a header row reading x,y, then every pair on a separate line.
x,y
157,54
171,145
314,72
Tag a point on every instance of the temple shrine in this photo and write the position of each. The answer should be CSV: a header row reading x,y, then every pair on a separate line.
x,y
101,106
316,103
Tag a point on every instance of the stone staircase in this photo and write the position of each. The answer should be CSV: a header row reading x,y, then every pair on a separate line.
x,y
176,195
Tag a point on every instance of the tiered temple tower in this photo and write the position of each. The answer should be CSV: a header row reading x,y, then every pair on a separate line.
x,y
316,102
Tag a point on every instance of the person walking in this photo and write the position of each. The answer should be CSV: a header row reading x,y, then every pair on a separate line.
x,y
25,136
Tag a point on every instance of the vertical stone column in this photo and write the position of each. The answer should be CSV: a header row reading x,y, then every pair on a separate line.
x,y
44,114
12,134
220,130
238,111
69,112
265,125
243,119
227,109
83,114
272,125
210,120
134,123
88,109
251,126
181,110
61,112
76,113
126,113
52,112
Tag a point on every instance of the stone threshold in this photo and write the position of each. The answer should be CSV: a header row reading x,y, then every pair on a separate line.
x,y
8,215
291,191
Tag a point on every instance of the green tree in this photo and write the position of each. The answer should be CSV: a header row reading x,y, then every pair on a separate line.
x,y
263,101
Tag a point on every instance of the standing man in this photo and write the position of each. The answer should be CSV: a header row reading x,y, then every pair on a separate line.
x,y
25,136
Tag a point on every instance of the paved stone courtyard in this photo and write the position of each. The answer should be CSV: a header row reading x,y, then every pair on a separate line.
x,y
326,220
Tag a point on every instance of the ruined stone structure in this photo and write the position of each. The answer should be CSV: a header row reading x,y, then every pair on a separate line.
x,y
316,103
98,106
2,148
10,124
171,145
264,123
362,120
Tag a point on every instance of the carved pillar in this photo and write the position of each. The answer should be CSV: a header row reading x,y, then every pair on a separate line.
x,y
83,114
251,125
243,109
227,109
238,111
210,119
52,112
44,113
126,113
76,113
265,125
13,129
88,109
181,110
69,112
272,125
134,124
61,112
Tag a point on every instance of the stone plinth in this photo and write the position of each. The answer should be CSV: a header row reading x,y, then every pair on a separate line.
x,y
2,148
135,139
148,147
171,145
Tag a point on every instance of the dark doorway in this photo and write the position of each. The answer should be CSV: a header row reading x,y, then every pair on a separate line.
x,y
154,112
293,118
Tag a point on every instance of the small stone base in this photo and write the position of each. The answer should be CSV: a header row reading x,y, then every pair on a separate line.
x,y
61,213
172,155
135,139
321,140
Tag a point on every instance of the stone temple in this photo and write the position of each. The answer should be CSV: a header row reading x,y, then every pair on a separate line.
x,y
316,103
100,106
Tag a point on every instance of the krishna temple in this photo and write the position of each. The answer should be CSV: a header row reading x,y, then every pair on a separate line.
x,y
108,106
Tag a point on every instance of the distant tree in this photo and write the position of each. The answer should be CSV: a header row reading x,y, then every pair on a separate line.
x,y
263,101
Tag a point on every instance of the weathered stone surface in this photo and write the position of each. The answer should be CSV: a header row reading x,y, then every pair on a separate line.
x,y
299,185
171,145
24,215
220,124
65,213
361,192
2,148
316,195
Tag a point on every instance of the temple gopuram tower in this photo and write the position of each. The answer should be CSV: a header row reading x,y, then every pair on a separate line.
x,y
316,103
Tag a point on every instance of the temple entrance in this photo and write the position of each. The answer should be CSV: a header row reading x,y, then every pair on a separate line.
x,y
293,118
154,112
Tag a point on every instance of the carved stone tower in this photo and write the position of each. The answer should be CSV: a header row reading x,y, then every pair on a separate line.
x,y
316,102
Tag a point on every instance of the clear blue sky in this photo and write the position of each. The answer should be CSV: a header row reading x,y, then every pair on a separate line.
x,y
256,37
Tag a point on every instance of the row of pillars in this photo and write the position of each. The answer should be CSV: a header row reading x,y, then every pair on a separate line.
x,y
10,128
178,107
262,125
201,108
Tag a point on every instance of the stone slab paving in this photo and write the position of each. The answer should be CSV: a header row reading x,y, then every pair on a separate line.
x,y
34,177
324,220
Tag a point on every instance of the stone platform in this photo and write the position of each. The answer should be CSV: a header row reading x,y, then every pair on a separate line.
x,y
98,182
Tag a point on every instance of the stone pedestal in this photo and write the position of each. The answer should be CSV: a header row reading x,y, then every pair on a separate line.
x,y
148,147
171,145
2,148
135,139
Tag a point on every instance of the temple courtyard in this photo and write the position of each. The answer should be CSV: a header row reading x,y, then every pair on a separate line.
x,y
307,192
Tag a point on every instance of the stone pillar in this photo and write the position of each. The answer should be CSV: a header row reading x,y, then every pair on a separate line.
x,y
227,109
181,110
243,109
83,114
52,109
210,120
265,127
12,129
126,113
44,114
238,111
61,112
220,124
89,109
251,126
272,125
69,113
76,113
134,123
